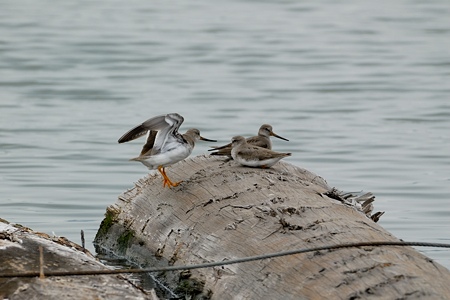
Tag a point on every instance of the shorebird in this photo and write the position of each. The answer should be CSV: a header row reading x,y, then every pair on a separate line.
x,y
254,156
164,145
260,140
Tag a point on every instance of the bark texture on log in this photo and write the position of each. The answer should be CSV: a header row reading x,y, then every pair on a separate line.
x,y
223,211
19,252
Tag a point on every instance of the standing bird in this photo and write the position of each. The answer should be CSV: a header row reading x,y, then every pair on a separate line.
x,y
260,140
254,156
164,145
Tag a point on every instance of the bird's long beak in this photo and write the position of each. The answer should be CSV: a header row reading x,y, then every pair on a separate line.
x,y
207,140
214,148
276,135
222,147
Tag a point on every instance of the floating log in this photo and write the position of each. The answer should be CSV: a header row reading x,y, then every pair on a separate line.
x,y
19,253
223,211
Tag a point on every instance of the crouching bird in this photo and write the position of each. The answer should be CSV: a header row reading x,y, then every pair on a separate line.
x,y
260,140
253,156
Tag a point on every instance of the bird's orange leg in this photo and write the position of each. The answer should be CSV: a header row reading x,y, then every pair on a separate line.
x,y
167,181
163,174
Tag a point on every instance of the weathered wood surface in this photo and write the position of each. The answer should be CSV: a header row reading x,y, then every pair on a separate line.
x,y
223,211
19,252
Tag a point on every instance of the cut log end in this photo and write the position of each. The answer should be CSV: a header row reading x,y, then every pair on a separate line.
x,y
25,251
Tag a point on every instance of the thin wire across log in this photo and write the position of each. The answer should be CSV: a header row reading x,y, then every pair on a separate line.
x,y
225,262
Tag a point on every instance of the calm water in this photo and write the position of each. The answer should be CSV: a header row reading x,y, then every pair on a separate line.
x,y
360,88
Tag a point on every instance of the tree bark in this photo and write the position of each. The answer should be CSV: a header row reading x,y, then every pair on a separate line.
x,y
223,211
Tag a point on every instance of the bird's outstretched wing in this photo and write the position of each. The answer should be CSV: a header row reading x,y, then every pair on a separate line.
x,y
158,129
155,123
169,133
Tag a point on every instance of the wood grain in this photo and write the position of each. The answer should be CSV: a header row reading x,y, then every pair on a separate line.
x,y
223,211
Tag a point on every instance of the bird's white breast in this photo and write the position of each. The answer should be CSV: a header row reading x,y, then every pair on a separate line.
x,y
172,153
